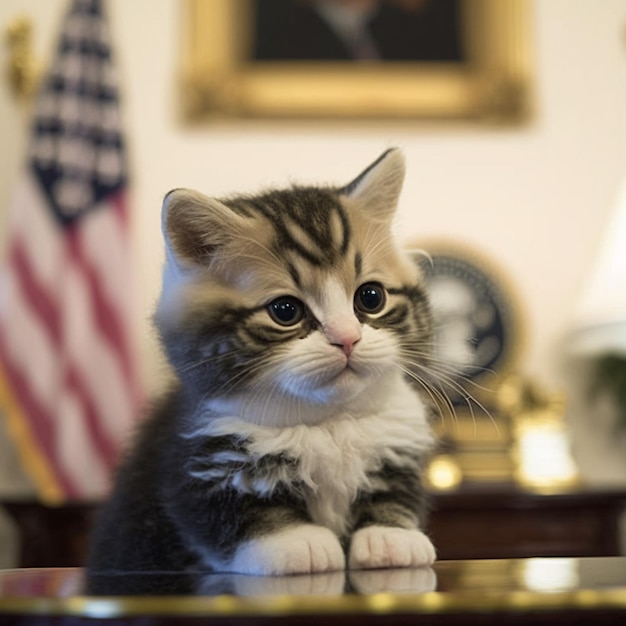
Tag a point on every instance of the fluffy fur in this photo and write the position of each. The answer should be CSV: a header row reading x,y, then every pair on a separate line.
x,y
294,436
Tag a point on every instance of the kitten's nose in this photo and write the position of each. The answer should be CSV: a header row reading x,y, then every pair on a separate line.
x,y
348,346
344,335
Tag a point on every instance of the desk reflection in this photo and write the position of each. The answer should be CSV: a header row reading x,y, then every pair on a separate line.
x,y
537,576
414,581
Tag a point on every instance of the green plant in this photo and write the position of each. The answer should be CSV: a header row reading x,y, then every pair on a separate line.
x,y
610,375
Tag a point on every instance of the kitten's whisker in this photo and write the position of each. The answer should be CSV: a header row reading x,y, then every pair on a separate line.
x,y
269,392
436,395
260,244
249,370
205,361
419,252
376,245
438,368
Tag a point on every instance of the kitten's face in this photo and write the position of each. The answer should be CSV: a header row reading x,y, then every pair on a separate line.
x,y
303,296
324,328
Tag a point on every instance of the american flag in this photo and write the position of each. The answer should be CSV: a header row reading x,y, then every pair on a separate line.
x,y
69,378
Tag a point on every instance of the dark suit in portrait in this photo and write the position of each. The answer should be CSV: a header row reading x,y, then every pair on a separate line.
x,y
298,30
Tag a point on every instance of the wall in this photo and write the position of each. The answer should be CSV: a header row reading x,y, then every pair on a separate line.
x,y
534,198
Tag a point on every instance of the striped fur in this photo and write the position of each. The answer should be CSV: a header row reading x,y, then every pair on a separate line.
x,y
313,422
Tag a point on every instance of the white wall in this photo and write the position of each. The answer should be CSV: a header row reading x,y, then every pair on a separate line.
x,y
534,198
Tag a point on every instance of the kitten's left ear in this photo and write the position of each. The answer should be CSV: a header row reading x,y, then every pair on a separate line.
x,y
377,188
195,226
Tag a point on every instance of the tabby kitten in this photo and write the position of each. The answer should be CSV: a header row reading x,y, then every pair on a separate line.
x,y
293,438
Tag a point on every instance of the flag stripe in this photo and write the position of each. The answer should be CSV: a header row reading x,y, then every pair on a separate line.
x,y
77,448
42,305
29,343
38,299
86,348
120,204
105,314
29,346
113,262
19,427
104,446
36,230
40,421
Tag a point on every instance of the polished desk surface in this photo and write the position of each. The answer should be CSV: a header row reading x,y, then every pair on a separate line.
x,y
549,590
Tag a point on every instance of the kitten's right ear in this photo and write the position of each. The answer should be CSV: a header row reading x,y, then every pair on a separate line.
x,y
194,226
377,188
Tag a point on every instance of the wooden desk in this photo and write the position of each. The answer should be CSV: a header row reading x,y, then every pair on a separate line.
x,y
505,521
533,591
475,522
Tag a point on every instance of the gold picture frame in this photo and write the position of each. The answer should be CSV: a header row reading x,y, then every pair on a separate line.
x,y
492,83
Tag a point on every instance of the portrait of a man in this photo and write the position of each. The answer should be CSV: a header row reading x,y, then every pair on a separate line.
x,y
357,30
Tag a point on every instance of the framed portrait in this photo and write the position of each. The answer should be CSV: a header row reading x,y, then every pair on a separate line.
x,y
382,59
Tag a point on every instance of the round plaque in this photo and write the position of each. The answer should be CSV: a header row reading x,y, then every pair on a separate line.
x,y
477,325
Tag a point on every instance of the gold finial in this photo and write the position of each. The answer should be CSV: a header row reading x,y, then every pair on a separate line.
x,y
22,71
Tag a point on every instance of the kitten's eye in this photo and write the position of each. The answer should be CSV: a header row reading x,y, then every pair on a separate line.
x,y
370,298
286,311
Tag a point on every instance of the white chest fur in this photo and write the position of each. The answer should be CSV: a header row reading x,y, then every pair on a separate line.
x,y
337,457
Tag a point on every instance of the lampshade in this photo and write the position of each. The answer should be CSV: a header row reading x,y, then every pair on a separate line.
x,y
600,321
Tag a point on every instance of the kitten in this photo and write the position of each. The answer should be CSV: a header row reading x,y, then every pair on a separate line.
x,y
294,437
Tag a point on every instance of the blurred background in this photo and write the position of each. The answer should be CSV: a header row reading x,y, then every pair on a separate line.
x,y
539,198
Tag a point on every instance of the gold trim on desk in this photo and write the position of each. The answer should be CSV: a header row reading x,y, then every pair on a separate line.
x,y
376,604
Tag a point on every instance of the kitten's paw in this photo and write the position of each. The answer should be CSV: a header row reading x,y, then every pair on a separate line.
x,y
304,549
381,546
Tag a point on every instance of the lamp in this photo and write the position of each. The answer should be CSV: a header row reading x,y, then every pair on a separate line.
x,y
595,352
600,322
